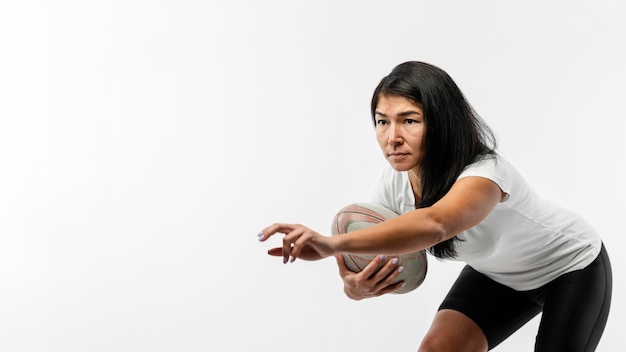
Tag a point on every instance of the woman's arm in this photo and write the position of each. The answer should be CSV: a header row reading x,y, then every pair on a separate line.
x,y
468,202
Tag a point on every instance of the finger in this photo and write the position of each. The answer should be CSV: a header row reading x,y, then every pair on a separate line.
x,y
388,272
372,267
273,229
343,268
302,237
275,252
391,288
391,271
289,244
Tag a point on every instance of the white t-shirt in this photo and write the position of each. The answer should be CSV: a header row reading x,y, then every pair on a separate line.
x,y
524,243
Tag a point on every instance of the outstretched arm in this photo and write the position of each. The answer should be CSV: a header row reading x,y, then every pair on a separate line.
x,y
468,202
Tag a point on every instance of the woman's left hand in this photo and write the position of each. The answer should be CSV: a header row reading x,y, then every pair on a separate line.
x,y
299,242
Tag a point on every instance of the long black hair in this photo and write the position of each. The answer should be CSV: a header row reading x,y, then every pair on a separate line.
x,y
455,136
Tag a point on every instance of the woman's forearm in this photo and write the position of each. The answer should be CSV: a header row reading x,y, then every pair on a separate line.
x,y
409,232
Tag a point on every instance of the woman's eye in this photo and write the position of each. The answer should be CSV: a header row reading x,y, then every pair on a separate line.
x,y
381,122
410,121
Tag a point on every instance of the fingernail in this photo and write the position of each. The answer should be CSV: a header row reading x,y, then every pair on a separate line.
x,y
400,269
260,236
381,257
292,259
284,260
394,261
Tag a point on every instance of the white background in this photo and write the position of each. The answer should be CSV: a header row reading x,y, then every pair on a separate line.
x,y
143,145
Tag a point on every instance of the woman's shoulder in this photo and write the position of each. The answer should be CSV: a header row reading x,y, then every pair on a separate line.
x,y
496,168
485,163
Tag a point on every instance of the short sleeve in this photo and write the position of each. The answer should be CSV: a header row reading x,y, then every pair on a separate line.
x,y
492,168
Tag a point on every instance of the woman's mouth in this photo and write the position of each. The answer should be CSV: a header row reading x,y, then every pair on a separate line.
x,y
398,156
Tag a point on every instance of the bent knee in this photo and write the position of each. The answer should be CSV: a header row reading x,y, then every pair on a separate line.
x,y
442,343
432,343
453,331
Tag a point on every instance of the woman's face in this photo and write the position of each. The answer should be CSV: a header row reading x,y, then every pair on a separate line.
x,y
400,130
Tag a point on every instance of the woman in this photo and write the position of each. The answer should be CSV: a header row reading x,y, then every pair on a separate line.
x,y
463,201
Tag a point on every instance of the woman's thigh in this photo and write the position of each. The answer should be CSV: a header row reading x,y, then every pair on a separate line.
x,y
453,331
498,310
576,308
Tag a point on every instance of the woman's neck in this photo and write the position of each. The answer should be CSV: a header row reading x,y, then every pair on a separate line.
x,y
416,184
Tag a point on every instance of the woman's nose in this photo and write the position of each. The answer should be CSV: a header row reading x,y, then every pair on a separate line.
x,y
395,135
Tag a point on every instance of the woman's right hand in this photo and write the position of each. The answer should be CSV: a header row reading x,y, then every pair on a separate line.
x,y
370,282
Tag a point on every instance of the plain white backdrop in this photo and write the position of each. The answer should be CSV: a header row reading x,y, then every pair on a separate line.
x,y
143,145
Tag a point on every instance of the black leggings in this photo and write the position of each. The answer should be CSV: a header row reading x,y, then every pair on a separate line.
x,y
575,307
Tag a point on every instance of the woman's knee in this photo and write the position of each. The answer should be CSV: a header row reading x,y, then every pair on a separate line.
x,y
453,331
433,343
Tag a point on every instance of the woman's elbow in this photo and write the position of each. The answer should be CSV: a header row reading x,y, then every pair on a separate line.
x,y
439,234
